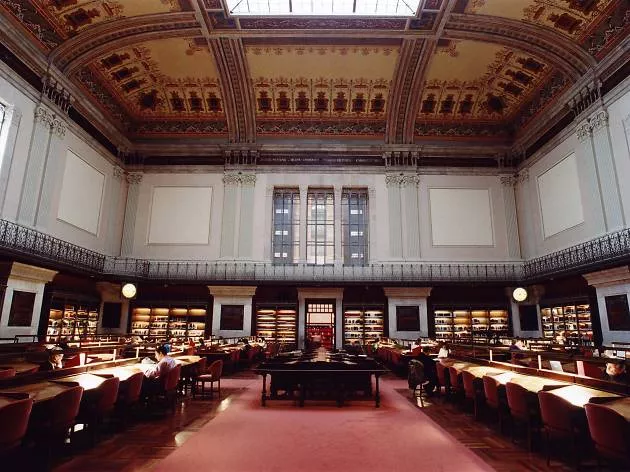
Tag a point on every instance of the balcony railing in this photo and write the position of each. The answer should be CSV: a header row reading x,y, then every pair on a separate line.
x,y
38,247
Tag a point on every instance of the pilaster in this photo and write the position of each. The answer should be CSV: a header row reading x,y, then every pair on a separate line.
x,y
113,227
509,203
411,222
229,216
131,209
246,226
53,172
394,204
38,151
12,116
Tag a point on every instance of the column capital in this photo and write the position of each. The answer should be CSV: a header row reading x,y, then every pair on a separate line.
x,y
239,179
118,173
598,120
44,115
509,180
134,178
583,131
58,127
402,180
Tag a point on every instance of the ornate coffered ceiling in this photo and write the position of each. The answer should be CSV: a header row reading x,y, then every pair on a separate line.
x,y
177,78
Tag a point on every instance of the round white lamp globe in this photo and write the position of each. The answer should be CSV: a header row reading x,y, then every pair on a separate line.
x,y
129,290
519,294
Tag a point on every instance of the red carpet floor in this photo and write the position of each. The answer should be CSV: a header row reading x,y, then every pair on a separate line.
x,y
246,437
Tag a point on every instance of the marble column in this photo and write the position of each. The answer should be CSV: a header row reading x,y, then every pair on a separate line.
x,y
131,209
38,150
395,217
229,217
606,171
53,173
338,191
246,225
113,227
411,221
12,116
509,203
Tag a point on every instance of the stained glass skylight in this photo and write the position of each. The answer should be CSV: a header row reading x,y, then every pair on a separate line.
x,y
323,7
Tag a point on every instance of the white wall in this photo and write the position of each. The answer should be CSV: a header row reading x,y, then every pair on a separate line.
x,y
16,93
593,189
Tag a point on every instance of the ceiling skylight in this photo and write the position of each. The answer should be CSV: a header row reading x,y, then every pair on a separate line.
x,y
323,7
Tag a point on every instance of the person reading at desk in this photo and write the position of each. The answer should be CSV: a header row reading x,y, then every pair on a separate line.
x,y
430,370
164,365
55,360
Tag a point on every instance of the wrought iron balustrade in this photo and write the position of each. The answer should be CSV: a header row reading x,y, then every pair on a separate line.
x,y
42,248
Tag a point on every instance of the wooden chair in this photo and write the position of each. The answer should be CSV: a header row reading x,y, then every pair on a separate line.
x,y
200,369
455,382
14,417
169,387
416,379
523,410
128,396
443,378
212,375
610,433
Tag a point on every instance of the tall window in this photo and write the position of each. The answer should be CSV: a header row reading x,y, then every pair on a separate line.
x,y
354,226
286,226
320,227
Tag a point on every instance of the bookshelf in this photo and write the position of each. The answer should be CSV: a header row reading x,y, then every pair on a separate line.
x,y
168,321
470,325
277,323
362,325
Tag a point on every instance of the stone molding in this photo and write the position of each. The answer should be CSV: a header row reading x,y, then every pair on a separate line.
x,y
407,292
602,278
223,291
31,273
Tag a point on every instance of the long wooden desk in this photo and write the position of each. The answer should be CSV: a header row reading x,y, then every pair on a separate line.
x,y
580,396
40,391
20,367
88,380
529,382
481,370
122,372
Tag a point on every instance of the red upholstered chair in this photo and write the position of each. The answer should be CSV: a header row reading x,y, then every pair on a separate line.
x,y
212,375
593,370
54,421
455,382
495,398
200,369
524,410
561,419
7,372
169,385
610,432
72,361
473,391
14,418
97,404
443,377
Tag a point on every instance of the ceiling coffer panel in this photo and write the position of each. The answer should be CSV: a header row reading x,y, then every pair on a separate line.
x,y
479,82
168,78
70,17
325,83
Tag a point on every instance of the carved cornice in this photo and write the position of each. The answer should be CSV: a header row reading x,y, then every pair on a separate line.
x,y
56,93
402,180
248,180
553,47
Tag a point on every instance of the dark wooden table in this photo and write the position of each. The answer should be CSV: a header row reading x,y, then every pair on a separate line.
x,y
336,377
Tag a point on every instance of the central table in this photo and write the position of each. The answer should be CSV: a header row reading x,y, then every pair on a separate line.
x,y
337,376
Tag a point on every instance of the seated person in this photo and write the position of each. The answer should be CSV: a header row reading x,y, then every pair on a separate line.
x,y
416,343
443,351
164,365
616,372
245,349
55,360
430,370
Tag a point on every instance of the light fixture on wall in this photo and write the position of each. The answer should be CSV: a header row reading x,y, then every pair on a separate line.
x,y
519,294
129,290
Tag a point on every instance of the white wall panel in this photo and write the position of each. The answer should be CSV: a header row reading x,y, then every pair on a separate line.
x,y
461,217
560,197
81,194
180,215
